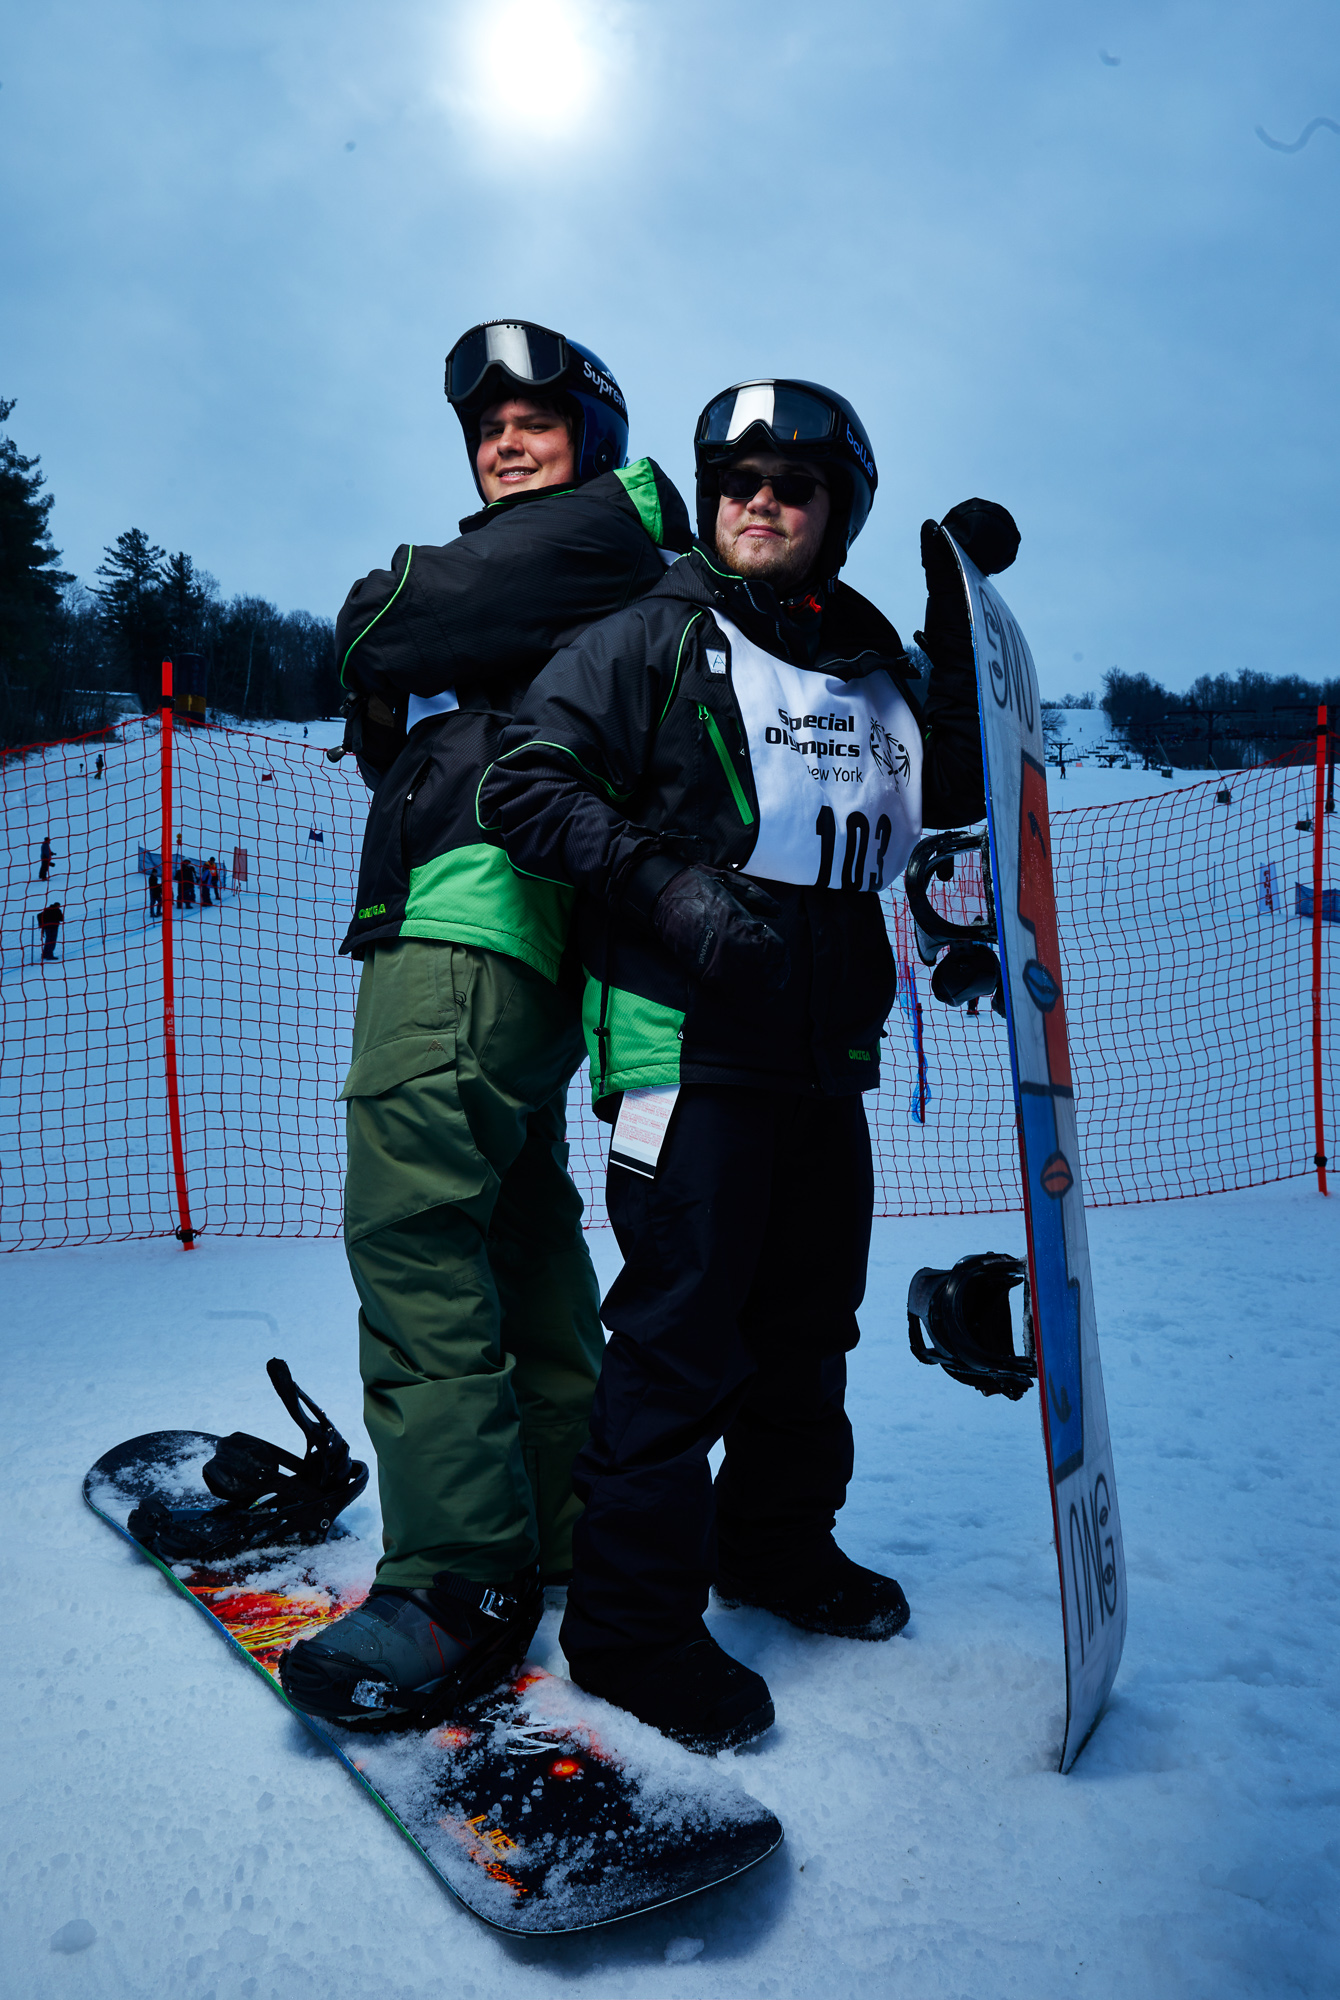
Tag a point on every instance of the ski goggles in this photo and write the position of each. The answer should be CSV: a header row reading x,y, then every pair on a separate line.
x,y
789,489
788,414
531,355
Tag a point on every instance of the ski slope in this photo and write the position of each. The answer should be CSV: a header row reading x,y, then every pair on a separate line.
x,y
264,1005
158,1794
1188,1000
172,1830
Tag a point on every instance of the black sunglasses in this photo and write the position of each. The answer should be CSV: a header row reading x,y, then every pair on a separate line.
x,y
789,489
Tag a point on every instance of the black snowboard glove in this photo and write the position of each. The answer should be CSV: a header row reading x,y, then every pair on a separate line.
x,y
986,533
712,920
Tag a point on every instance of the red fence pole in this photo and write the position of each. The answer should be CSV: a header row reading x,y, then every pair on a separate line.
x,y
184,1233
1319,1158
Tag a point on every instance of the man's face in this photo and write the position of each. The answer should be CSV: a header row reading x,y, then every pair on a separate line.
x,y
760,537
522,446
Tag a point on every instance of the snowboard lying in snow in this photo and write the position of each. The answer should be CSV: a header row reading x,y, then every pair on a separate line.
x,y
539,1808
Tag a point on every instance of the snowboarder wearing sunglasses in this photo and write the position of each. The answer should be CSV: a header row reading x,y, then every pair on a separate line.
x,y
728,772
479,1332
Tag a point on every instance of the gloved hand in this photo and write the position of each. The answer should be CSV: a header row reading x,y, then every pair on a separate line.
x,y
987,534
985,531
712,920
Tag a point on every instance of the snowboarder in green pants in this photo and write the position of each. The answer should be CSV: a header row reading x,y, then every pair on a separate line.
x,y
479,1333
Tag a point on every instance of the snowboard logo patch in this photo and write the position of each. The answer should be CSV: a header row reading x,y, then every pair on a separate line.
x,y
1056,1176
1043,990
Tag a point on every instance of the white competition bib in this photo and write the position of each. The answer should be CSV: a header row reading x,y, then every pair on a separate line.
x,y
837,769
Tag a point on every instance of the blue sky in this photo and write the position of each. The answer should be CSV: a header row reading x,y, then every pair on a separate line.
x,y
1041,246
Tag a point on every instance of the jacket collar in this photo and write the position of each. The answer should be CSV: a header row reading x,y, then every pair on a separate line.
x,y
507,503
850,636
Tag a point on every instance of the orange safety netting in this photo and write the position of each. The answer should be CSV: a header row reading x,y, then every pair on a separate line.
x,y
1187,954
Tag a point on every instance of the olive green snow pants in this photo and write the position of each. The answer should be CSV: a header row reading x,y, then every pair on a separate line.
x,y
479,1335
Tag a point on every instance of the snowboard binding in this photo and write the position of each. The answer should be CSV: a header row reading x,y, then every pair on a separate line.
x,y
268,1495
969,970
966,1316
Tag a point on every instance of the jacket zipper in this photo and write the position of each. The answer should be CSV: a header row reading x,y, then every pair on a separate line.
x,y
706,717
415,782
603,1035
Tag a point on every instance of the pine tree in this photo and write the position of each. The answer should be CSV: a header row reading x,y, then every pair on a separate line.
x,y
187,593
134,614
31,583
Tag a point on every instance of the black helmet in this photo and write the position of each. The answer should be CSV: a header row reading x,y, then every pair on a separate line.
x,y
797,420
503,356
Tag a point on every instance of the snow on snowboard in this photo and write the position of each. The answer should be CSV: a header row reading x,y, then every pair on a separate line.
x,y
1059,1315
544,1811
539,1808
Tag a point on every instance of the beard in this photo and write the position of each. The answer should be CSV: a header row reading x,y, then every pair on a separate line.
x,y
780,564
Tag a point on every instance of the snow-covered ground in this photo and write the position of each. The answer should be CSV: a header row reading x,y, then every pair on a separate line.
x,y
1089,781
159,1797
326,731
173,1830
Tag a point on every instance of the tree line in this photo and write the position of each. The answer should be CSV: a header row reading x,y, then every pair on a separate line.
x,y
1225,722
66,648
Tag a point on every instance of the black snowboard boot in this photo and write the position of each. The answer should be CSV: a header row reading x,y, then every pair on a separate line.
x,y
406,1658
838,1598
693,1692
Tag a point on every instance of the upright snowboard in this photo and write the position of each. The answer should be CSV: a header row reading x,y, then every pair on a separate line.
x,y
522,1805
1070,1375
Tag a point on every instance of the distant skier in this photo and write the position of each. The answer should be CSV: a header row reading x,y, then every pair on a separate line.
x,y
97,768
214,878
155,894
205,903
47,857
49,922
185,886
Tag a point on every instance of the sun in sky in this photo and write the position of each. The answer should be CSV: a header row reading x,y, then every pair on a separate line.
x,y
541,60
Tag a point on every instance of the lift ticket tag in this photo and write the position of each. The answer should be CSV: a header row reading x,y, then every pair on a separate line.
x,y
639,1132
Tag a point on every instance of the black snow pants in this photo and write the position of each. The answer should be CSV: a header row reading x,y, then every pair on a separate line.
x,y
744,1263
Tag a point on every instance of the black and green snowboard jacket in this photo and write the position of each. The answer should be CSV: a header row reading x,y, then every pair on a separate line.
x,y
477,619
628,760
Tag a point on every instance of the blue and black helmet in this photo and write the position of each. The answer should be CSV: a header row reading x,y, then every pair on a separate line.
x,y
795,419
503,357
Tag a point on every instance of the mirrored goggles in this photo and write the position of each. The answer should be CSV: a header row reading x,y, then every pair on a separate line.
x,y
529,354
789,414
789,489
